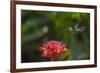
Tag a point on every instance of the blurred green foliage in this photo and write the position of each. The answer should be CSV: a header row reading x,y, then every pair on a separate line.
x,y
40,26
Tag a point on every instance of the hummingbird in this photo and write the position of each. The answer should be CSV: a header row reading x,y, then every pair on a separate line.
x,y
75,29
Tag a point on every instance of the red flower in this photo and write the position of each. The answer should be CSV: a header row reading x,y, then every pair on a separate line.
x,y
52,49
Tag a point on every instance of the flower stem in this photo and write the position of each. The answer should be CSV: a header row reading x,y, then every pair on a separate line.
x,y
51,59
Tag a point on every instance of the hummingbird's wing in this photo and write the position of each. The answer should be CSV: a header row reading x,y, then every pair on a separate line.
x,y
76,26
68,29
81,29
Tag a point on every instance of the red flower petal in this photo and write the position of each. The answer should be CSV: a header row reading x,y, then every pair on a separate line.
x,y
52,49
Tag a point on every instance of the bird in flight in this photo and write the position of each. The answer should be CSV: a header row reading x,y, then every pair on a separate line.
x,y
75,29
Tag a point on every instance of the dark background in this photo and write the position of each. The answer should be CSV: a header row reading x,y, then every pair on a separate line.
x,y
40,26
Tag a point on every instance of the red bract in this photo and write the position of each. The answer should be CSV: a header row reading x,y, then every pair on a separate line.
x,y
52,49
